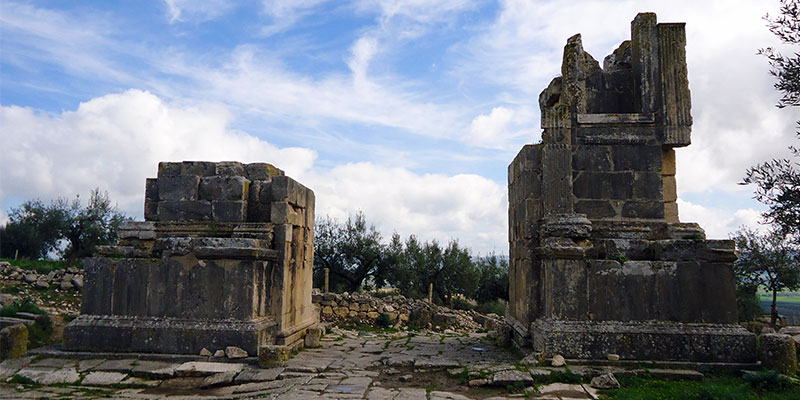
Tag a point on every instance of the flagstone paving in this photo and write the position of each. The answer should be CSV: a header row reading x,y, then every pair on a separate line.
x,y
349,365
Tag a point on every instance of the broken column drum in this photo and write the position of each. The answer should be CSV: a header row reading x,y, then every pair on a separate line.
x,y
224,258
599,262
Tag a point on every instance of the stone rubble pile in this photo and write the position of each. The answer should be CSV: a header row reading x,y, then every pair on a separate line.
x,y
364,309
64,279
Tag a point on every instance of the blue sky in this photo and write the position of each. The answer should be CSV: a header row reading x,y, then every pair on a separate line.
x,y
409,110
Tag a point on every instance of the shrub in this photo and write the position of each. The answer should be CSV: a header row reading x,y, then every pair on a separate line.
x,y
462,304
383,321
493,307
769,380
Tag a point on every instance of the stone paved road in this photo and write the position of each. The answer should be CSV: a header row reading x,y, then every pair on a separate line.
x,y
349,365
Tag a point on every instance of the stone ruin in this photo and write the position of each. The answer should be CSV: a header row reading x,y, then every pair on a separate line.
x,y
223,258
599,262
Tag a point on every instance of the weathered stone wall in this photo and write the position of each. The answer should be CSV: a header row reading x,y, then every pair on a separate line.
x,y
224,258
362,309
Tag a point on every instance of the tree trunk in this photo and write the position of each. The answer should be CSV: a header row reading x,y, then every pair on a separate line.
x,y
774,316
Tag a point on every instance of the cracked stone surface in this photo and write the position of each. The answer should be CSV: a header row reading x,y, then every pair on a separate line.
x,y
349,365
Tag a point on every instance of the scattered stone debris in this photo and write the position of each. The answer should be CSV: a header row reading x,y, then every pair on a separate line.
x,y
65,279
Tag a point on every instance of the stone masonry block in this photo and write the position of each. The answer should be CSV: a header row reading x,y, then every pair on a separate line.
x,y
230,168
229,211
258,212
670,188
169,169
643,209
178,188
224,188
262,171
151,189
199,168
603,185
668,163
284,213
671,212
287,189
647,185
592,158
184,210
150,210
595,208
637,158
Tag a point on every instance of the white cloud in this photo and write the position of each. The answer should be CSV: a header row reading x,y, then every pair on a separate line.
x,y
285,13
719,223
115,141
3,218
196,10
501,126
362,52
470,208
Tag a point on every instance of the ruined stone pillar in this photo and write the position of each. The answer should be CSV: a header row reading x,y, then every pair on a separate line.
x,y
599,262
223,258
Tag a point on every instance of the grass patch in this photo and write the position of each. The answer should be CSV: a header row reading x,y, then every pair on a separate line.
x,y
710,388
565,376
27,305
367,328
41,266
18,379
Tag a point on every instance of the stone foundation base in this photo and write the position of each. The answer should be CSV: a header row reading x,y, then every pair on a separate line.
x,y
649,340
165,335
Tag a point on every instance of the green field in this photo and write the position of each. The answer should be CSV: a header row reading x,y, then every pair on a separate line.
x,y
793,297
788,304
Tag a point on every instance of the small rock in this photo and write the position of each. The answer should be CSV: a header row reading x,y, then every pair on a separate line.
x,y
40,284
558,361
406,378
66,285
605,381
391,371
613,357
77,281
219,353
205,352
531,359
31,278
478,382
235,352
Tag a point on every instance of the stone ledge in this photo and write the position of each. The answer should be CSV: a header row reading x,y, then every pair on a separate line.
x,y
116,333
616,118
645,340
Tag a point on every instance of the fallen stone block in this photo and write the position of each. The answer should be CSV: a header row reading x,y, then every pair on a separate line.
x,y
102,378
778,352
13,341
204,368
273,355
313,336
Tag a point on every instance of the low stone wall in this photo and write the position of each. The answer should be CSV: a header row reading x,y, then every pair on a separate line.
x,y
358,308
64,279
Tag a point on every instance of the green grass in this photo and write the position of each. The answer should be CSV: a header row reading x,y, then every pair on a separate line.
x,y
367,328
710,388
41,266
782,297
